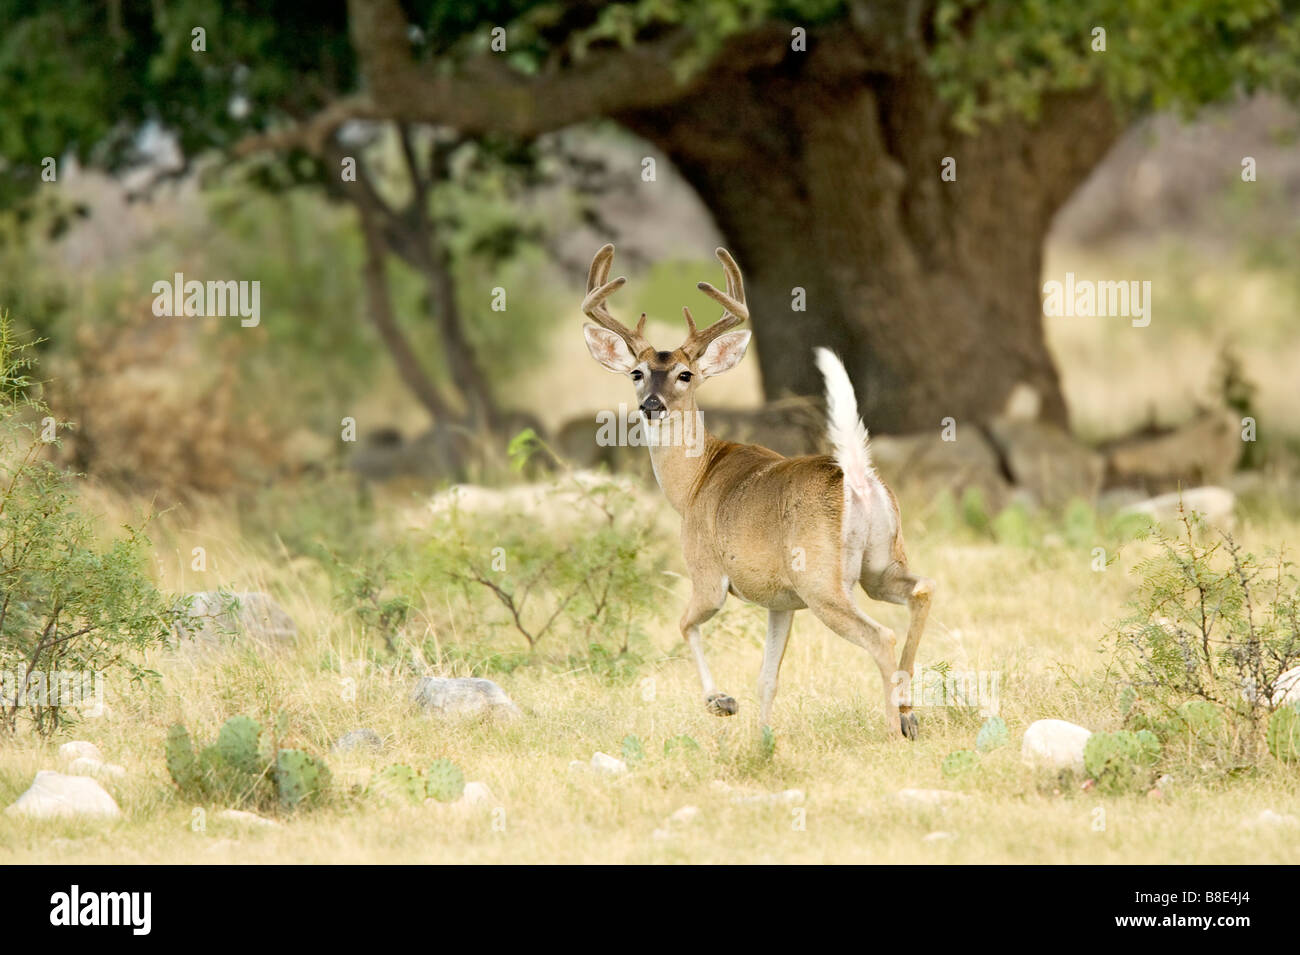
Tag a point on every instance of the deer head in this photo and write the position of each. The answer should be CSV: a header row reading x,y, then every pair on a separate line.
x,y
665,381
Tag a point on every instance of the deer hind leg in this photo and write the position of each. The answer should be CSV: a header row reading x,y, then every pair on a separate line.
x,y
843,616
704,603
896,585
778,633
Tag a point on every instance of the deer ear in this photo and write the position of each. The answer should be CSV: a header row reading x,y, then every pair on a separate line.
x,y
609,349
724,353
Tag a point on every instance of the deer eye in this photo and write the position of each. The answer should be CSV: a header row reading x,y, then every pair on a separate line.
x,y
636,375
684,376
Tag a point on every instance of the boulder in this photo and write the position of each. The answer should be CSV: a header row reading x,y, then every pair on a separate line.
x,y
1204,450
1045,461
1054,744
244,818
220,617
58,796
462,697
923,465
1216,505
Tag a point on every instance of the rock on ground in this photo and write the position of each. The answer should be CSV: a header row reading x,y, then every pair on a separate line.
x,y
243,817
220,618
57,796
463,696
85,766
1217,505
1054,744
80,749
1287,688
362,739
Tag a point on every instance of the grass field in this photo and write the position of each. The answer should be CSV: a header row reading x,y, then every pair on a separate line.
x,y
1035,615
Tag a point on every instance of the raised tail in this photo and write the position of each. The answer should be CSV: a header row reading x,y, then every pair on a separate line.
x,y
845,429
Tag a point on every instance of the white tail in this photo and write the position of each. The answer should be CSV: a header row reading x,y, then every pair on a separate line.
x,y
844,427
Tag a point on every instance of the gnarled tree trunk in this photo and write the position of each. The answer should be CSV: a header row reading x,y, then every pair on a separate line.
x,y
928,289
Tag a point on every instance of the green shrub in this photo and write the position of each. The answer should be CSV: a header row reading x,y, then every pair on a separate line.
x,y
74,611
1211,632
1122,761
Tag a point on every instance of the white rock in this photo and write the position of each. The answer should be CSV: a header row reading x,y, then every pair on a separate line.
x,y
56,795
1270,819
684,816
939,836
660,835
85,766
244,817
1054,744
929,798
463,696
610,765
477,794
80,749
1215,504
1287,688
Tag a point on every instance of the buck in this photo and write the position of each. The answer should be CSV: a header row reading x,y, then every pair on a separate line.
x,y
782,533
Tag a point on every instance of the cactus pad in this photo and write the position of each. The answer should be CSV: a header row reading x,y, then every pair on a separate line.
x,y
444,781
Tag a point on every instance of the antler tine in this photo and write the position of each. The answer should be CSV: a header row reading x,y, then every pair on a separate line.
x,y
734,313
598,290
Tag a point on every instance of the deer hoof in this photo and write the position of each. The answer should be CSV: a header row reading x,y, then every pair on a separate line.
x,y
911,728
719,704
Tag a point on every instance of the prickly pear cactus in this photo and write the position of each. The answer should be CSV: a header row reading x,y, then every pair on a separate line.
x,y
299,777
182,762
1284,733
959,763
399,782
239,743
992,735
444,781
633,751
1201,719
1121,762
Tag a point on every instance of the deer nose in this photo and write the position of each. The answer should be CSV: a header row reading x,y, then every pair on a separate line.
x,y
652,406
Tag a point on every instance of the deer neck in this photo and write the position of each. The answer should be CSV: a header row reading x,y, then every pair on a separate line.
x,y
679,456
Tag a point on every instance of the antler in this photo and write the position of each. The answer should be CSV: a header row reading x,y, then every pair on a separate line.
x,y
733,304
599,289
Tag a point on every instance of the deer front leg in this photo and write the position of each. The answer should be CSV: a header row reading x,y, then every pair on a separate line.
x,y
704,603
778,634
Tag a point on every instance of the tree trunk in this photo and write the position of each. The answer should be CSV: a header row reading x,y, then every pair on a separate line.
x,y
928,289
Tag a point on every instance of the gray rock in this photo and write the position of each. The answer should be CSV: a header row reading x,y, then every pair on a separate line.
x,y
57,796
1046,461
85,766
923,465
463,696
362,739
220,618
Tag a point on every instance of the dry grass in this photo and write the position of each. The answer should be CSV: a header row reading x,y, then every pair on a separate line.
x,y
1035,615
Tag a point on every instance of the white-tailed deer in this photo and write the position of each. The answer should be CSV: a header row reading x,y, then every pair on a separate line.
x,y
783,533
